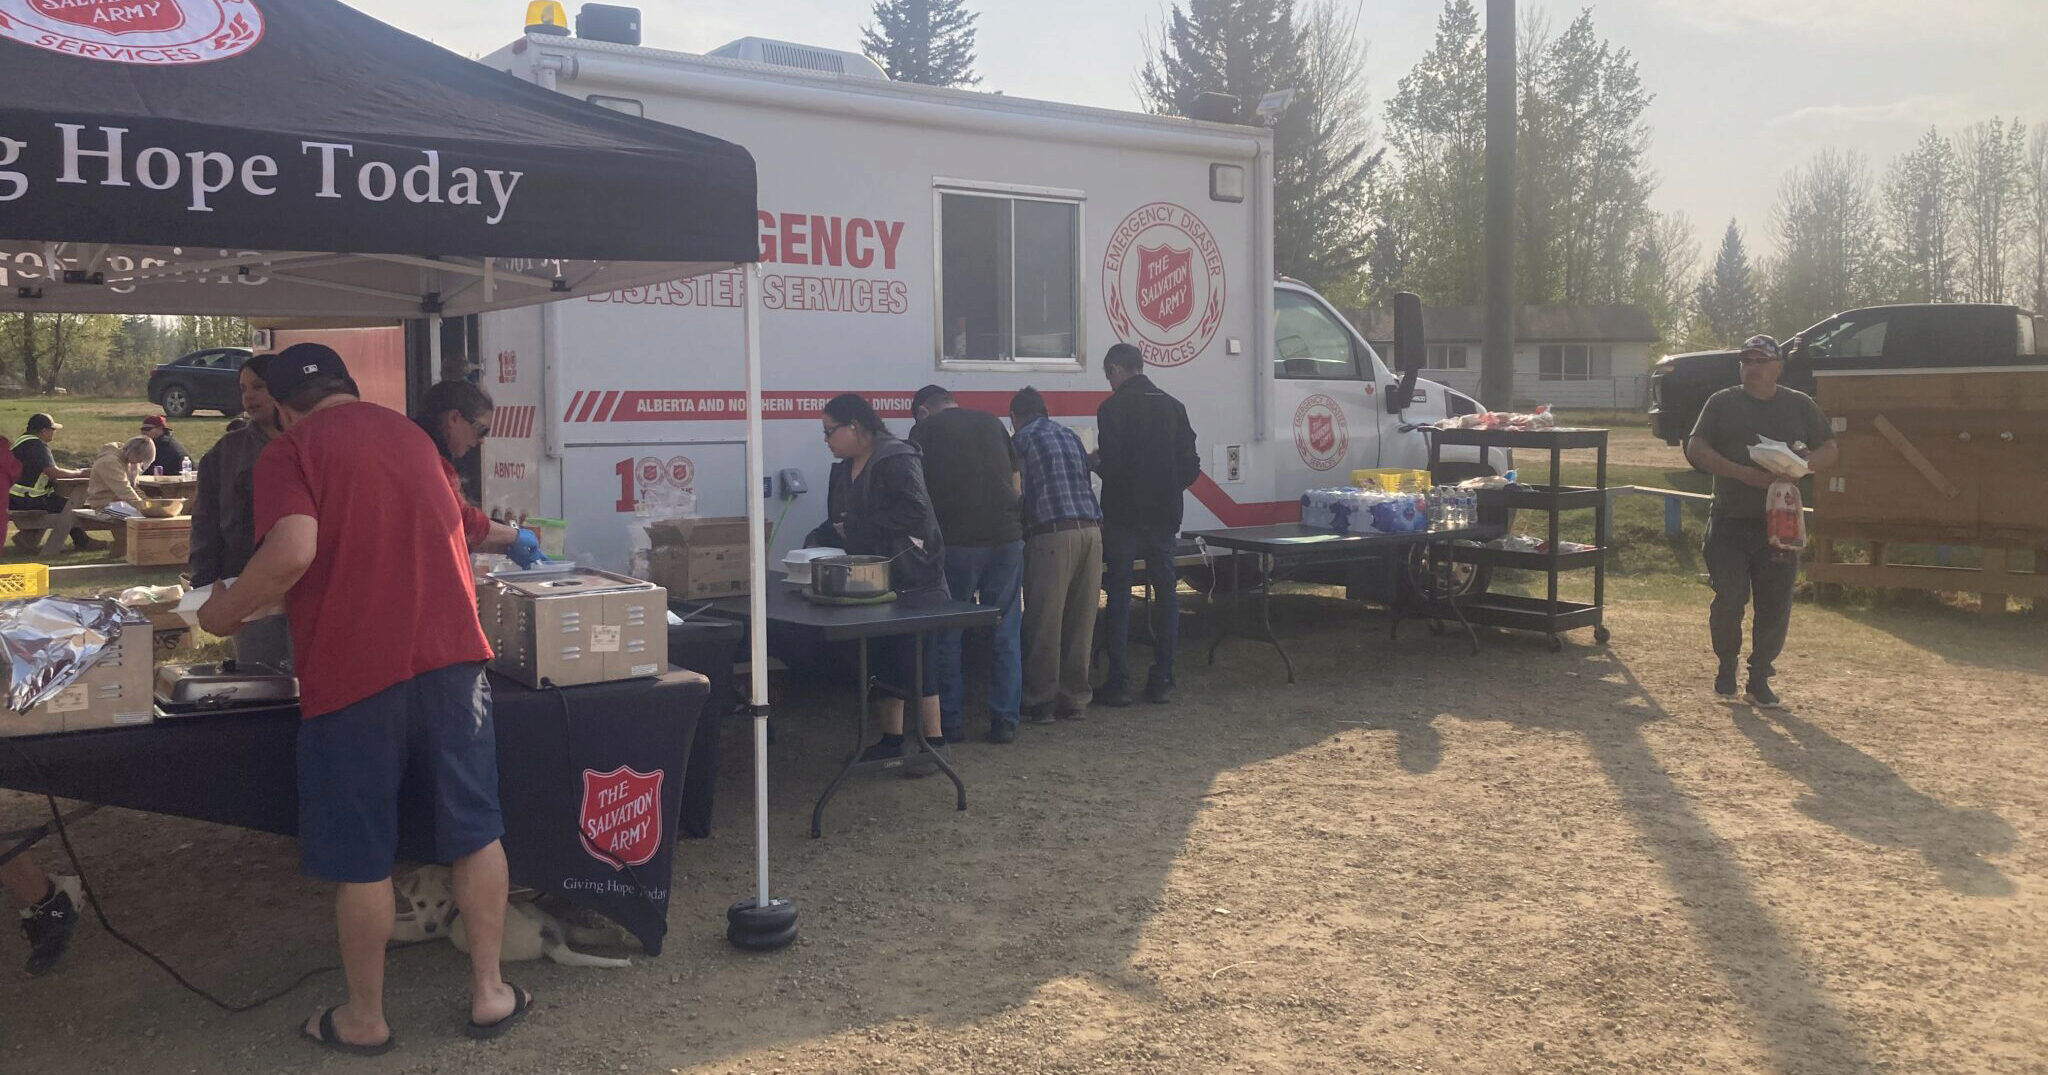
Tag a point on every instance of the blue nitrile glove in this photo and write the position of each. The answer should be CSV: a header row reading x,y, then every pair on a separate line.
x,y
525,550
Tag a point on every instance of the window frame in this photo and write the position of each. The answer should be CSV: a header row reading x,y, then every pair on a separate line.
x,y
1009,192
1445,349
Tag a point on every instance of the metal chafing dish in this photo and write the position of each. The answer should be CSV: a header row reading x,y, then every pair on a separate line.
x,y
183,689
574,625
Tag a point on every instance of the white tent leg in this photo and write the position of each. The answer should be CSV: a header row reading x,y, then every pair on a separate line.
x,y
762,922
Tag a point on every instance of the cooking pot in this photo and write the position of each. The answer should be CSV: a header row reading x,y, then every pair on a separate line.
x,y
850,576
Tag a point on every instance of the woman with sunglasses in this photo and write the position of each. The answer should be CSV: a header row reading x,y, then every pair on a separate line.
x,y
876,505
457,416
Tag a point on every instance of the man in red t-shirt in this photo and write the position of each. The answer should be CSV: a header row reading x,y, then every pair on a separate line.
x,y
362,539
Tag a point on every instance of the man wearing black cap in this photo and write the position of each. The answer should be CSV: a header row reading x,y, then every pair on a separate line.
x,y
1741,562
361,537
970,469
35,489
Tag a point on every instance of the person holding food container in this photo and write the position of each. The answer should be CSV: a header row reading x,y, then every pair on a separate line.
x,y
877,505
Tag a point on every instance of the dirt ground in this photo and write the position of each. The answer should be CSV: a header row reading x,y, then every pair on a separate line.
x,y
1412,860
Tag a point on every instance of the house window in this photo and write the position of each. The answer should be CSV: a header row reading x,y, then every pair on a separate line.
x,y
1567,361
1448,356
1009,278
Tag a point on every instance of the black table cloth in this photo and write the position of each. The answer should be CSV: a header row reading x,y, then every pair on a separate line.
x,y
589,778
707,646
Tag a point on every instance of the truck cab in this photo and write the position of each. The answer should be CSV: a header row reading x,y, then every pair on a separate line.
x,y
1953,336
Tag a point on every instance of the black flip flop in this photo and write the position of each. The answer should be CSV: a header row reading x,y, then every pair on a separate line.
x,y
328,1038
522,1002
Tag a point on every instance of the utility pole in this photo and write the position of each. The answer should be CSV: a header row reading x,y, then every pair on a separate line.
x,y
1497,357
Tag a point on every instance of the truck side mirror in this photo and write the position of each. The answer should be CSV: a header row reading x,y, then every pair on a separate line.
x,y
1410,351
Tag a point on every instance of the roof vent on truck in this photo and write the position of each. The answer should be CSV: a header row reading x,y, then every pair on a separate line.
x,y
761,50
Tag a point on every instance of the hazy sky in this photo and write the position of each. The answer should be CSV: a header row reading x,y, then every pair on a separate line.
x,y
1743,88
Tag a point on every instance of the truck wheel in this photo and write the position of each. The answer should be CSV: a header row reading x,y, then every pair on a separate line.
x,y
177,401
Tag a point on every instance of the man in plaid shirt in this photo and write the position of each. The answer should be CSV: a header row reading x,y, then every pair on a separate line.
x,y
1062,562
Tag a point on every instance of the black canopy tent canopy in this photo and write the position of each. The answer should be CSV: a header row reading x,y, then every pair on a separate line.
x,y
299,158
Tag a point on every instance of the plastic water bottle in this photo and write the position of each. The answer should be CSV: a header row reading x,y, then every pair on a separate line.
x,y
185,469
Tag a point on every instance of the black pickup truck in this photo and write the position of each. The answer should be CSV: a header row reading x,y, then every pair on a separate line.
x,y
1937,335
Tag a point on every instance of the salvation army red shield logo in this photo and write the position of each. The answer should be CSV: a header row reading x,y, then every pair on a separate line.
x,y
620,822
1320,435
1163,283
144,32
1166,293
681,472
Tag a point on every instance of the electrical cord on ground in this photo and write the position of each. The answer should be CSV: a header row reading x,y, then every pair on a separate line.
x,y
92,900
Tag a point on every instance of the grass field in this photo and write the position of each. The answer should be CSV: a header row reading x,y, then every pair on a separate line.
x,y
90,422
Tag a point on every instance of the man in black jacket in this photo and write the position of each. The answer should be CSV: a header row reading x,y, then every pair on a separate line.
x,y
1147,459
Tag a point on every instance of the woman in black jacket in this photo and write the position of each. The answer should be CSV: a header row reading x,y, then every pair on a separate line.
x,y
876,505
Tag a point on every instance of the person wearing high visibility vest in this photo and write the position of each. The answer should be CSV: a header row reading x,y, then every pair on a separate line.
x,y
35,489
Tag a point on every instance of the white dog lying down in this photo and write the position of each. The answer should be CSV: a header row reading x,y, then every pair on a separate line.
x,y
429,913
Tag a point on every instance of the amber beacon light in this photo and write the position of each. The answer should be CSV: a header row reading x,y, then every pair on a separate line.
x,y
547,17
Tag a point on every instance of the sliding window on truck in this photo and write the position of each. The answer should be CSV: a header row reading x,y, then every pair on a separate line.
x,y
1009,278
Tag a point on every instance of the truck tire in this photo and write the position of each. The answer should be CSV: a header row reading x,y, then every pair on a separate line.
x,y
177,401
1473,579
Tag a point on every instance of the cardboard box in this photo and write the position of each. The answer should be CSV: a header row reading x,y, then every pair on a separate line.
x,y
116,691
698,559
160,542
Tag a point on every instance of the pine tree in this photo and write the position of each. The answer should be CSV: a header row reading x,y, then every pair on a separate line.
x,y
1243,48
1726,301
930,42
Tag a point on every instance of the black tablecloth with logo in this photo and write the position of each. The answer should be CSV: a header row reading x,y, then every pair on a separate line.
x,y
591,779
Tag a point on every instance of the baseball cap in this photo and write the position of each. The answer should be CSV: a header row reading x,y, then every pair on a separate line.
x,y
1763,345
39,420
301,362
155,421
924,395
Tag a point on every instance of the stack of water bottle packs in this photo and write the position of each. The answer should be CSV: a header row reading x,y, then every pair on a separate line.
x,y
1364,511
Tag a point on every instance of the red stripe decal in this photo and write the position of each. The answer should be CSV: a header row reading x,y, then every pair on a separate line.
x,y
570,414
1231,513
589,404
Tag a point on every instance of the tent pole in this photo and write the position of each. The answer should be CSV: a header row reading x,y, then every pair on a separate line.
x,y
434,370
762,922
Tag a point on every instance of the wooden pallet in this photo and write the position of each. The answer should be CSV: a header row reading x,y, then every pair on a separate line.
x,y
1993,582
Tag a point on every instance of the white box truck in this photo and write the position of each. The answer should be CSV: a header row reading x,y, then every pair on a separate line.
x,y
914,235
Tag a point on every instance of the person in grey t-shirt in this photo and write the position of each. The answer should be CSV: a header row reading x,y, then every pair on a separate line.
x,y
1740,559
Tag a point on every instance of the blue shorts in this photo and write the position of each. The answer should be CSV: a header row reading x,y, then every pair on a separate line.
x,y
435,727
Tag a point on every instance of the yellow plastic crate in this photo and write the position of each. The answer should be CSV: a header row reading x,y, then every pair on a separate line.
x,y
23,580
1392,480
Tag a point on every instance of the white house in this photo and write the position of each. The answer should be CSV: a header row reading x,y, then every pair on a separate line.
x,y
1595,357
